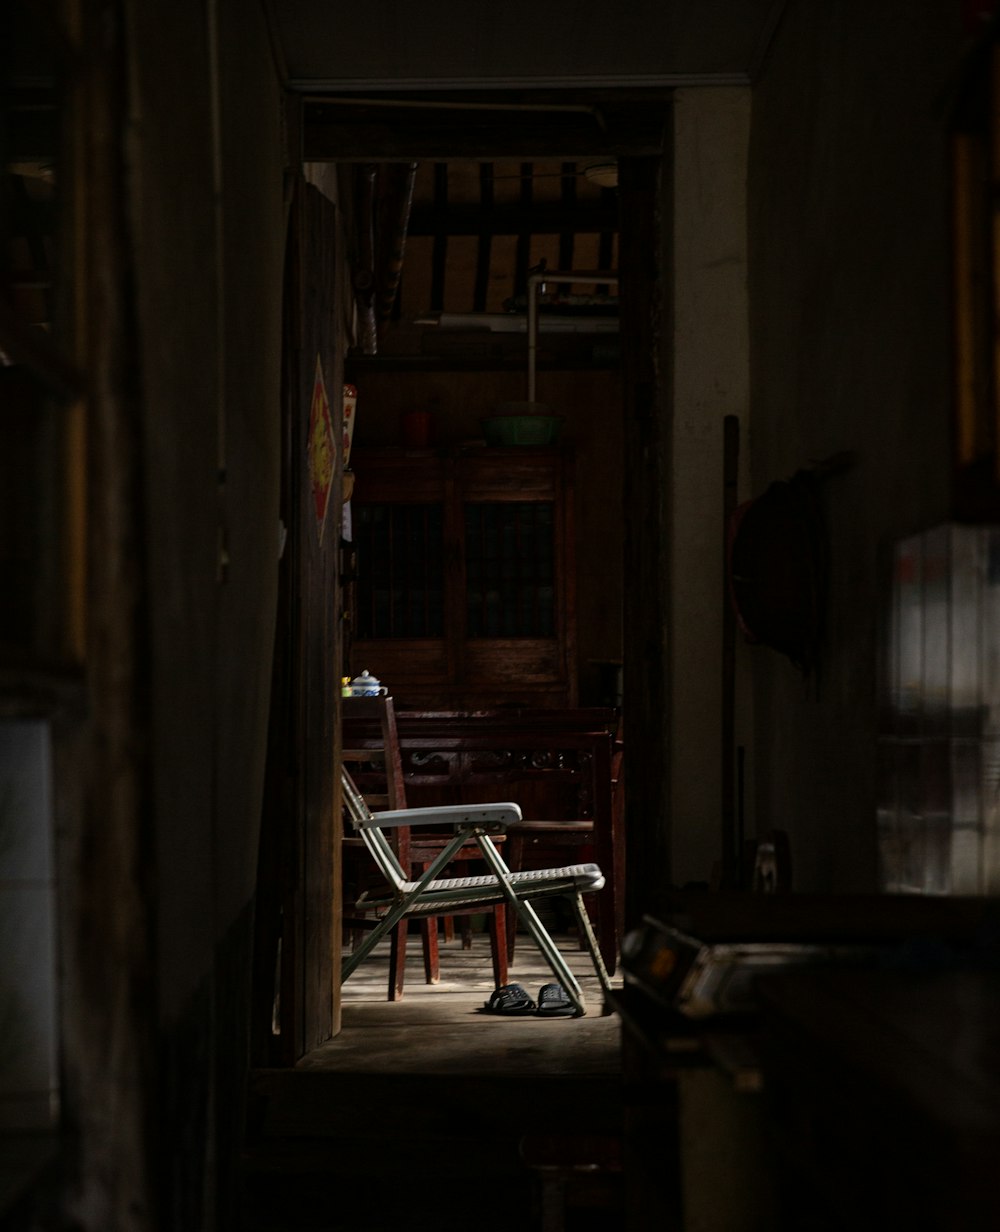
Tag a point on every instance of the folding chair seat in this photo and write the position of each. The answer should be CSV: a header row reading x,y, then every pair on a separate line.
x,y
430,894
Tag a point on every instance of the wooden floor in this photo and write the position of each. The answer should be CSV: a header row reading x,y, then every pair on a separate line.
x,y
425,1112
440,1028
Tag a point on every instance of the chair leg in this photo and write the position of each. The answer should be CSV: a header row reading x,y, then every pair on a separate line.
x,y
515,857
607,929
432,965
552,954
597,915
498,944
429,935
587,931
464,921
550,951
397,960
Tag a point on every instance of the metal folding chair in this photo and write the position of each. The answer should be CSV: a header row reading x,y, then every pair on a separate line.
x,y
434,895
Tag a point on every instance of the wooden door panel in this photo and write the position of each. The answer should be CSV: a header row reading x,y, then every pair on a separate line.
x,y
297,903
507,662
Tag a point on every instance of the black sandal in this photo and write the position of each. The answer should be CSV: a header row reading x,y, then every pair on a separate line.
x,y
554,1003
511,999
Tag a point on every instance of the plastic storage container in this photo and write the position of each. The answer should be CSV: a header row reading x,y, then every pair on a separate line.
x,y
522,429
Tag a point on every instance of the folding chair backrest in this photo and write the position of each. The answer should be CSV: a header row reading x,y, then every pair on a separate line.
x,y
363,821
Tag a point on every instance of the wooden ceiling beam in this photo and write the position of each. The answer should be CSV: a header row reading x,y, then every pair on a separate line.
x,y
335,132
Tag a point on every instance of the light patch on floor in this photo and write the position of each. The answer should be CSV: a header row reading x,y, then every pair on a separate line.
x,y
440,1028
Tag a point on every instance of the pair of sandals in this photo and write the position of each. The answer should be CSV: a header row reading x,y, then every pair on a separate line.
x,y
512,1001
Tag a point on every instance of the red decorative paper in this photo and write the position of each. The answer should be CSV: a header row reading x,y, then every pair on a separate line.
x,y
350,405
322,448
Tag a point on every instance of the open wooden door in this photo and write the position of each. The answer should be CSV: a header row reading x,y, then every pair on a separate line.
x,y
296,992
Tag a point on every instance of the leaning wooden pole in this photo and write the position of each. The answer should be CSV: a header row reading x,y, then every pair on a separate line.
x,y
729,846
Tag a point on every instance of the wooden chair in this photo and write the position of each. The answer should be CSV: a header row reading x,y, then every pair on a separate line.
x,y
599,836
565,769
370,751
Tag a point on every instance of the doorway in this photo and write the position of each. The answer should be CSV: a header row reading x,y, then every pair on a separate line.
x,y
459,141
475,537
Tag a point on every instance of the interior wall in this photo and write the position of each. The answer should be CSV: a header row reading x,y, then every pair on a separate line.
x,y
710,374
206,163
850,342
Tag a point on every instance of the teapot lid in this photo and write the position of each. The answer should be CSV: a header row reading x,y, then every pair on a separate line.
x,y
365,678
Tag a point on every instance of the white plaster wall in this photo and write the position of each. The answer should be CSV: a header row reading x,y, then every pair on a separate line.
x,y
710,381
851,351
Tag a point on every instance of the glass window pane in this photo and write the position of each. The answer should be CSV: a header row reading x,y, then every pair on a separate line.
x,y
400,570
509,554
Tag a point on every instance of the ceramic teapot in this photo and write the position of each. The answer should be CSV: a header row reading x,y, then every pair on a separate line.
x,y
367,685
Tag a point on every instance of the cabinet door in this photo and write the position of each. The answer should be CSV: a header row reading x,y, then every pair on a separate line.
x,y
516,553
403,617
464,593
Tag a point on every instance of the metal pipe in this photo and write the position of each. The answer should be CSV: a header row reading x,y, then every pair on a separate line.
x,y
538,279
363,275
390,241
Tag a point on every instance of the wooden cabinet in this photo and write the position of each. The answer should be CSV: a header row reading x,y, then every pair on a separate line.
x,y
464,590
